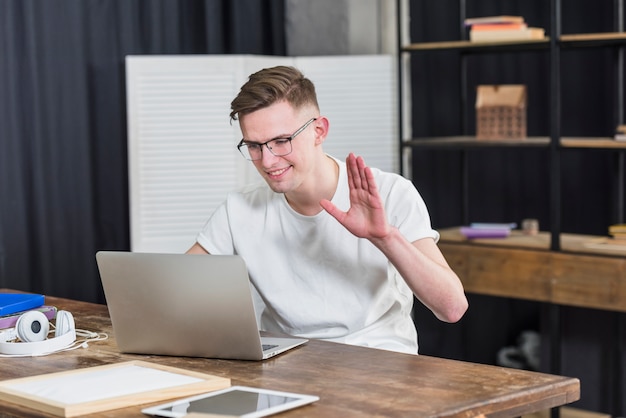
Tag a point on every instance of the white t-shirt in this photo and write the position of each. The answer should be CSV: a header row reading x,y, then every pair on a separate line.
x,y
316,279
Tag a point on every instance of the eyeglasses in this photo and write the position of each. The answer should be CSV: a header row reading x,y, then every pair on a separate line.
x,y
280,147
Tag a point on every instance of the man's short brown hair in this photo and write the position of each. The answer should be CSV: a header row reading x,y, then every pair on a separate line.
x,y
272,85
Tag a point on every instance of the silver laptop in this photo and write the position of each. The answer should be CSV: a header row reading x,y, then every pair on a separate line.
x,y
184,305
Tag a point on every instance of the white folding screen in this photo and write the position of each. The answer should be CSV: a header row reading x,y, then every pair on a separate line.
x,y
182,155
358,95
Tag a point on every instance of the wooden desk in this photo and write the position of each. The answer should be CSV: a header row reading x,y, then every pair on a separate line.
x,y
523,267
351,381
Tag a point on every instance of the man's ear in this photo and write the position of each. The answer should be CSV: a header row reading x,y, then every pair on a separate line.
x,y
321,126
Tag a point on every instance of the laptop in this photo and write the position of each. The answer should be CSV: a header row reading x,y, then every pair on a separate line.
x,y
184,305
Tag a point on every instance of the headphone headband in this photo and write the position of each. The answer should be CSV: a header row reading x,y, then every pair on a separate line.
x,y
39,347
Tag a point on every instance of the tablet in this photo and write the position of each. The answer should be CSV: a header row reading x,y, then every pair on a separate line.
x,y
235,401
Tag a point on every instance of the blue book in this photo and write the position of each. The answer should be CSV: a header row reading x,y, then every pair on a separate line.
x,y
16,302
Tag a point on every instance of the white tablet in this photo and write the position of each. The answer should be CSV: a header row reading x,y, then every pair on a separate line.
x,y
235,401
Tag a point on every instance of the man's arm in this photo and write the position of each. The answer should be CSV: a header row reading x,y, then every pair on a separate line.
x,y
420,263
427,273
197,249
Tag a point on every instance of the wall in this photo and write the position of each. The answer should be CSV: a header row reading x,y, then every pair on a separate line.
x,y
340,27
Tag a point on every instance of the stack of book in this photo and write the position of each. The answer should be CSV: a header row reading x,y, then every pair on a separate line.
x,y
620,133
13,305
615,242
501,28
618,232
487,230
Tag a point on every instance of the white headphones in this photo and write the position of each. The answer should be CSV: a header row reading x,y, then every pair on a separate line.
x,y
32,330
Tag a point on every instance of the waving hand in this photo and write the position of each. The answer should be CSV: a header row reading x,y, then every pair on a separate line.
x,y
366,216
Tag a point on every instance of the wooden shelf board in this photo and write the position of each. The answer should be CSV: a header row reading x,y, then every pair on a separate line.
x,y
593,39
538,141
593,36
468,45
471,141
599,143
583,39
522,267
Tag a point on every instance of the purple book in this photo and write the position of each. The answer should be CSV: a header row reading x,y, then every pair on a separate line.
x,y
8,321
491,232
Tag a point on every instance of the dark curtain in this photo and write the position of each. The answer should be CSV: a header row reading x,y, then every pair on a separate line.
x,y
63,166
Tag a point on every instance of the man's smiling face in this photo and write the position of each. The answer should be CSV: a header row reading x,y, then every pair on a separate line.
x,y
290,172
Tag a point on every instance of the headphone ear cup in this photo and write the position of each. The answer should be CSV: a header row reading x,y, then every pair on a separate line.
x,y
32,329
64,323
32,326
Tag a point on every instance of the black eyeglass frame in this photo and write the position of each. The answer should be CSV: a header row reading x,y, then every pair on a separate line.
x,y
290,138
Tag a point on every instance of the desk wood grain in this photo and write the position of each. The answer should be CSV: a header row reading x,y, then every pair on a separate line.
x,y
350,381
522,267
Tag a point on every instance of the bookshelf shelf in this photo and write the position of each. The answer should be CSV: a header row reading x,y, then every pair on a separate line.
x,y
553,142
597,143
572,243
464,142
593,39
469,46
560,265
568,40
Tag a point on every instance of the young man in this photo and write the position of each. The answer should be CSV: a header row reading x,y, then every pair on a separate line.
x,y
335,250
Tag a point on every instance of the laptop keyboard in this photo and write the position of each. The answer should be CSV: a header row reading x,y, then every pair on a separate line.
x,y
269,346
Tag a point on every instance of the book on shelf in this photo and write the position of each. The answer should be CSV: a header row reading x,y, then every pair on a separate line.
x,y
615,242
522,34
501,28
487,230
493,20
620,133
618,231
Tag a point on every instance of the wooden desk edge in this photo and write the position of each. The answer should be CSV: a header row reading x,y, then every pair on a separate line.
x,y
572,394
